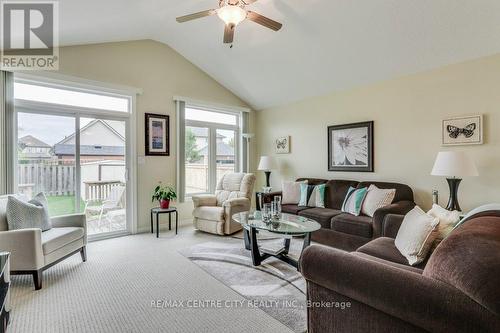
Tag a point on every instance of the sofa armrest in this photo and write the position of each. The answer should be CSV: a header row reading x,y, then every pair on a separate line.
x,y
400,207
25,246
391,225
204,200
424,302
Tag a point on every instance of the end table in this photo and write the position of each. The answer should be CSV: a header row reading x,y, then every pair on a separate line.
x,y
157,211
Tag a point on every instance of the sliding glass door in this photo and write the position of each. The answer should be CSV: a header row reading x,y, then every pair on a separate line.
x,y
76,155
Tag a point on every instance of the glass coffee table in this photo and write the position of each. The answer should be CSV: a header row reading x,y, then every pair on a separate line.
x,y
287,226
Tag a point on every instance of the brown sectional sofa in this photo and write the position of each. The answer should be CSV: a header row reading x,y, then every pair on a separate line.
x,y
342,230
455,291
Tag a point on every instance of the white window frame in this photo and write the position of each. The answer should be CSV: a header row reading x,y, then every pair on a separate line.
x,y
212,139
81,85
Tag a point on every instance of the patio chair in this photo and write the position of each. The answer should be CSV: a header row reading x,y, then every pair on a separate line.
x,y
114,201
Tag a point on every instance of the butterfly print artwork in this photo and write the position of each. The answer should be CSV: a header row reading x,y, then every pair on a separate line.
x,y
467,131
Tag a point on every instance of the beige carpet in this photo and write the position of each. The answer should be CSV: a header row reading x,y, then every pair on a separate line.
x,y
114,289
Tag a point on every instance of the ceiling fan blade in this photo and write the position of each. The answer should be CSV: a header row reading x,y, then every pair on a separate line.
x,y
248,2
195,16
264,21
229,33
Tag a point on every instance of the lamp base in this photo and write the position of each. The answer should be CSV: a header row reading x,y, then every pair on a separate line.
x,y
453,183
268,175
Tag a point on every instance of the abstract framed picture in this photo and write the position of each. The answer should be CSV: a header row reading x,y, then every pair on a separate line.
x,y
462,131
157,134
350,147
282,145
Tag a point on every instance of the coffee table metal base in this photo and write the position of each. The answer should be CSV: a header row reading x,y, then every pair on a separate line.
x,y
250,238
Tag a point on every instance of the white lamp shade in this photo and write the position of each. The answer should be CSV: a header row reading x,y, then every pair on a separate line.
x,y
267,163
454,164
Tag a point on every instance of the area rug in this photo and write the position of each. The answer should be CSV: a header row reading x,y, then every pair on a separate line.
x,y
274,286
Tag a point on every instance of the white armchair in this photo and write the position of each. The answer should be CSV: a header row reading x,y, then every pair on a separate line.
x,y
213,212
33,251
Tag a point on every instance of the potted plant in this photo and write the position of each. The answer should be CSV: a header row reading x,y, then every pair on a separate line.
x,y
164,194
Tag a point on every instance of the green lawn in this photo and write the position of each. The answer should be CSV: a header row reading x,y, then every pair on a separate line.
x,y
62,205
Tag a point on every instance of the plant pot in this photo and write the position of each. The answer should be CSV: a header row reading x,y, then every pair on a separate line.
x,y
164,204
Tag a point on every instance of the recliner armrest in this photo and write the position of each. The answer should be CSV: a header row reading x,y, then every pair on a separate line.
x,y
204,200
25,246
424,302
400,207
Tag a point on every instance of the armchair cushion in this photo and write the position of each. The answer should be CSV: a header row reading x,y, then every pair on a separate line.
x,y
204,200
212,213
384,248
56,238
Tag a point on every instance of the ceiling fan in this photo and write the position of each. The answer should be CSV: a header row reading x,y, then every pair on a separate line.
x,y
233,12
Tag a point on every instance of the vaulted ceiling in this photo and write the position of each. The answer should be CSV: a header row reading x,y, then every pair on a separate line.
x,y
324,45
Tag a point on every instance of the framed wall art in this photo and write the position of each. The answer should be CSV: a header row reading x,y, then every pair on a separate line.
x,y
350,147
157,134
282,145
462,131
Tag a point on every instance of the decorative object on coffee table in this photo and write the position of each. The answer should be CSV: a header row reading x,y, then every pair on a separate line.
x,y
157,134
286,225
266,164
454,165
164,194
350,147
462,131
157,211
282,145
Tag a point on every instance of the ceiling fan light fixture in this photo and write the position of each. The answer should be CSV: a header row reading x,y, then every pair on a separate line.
x,y
231,14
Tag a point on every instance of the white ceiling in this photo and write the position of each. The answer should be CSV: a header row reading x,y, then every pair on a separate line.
x,y
324,45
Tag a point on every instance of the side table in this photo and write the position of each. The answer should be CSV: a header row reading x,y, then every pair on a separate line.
x,y
157,211
4,291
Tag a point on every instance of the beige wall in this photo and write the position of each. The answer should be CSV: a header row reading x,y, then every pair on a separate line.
x,y
161,73
407,114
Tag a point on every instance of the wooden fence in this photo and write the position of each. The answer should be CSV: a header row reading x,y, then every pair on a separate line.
x,y
50,179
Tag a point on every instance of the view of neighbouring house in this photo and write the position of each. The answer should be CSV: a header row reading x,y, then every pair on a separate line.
x,y
92,137
33,149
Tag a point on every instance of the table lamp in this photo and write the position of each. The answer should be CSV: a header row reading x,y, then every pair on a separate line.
x,y
454,165
266,164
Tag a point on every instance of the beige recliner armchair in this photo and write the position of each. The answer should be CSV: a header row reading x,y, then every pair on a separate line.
x,y
33,251
212,212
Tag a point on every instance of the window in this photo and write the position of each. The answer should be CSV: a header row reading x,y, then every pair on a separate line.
x,y
44,94
211,148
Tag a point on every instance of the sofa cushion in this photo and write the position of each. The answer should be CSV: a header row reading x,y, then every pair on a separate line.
x,y
469,260
56,238
292,209
336,191
213,213
322,215
384,248
354,225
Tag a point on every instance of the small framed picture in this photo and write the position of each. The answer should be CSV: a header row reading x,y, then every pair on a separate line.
x,y
282,145
350,147
157,134
462,131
